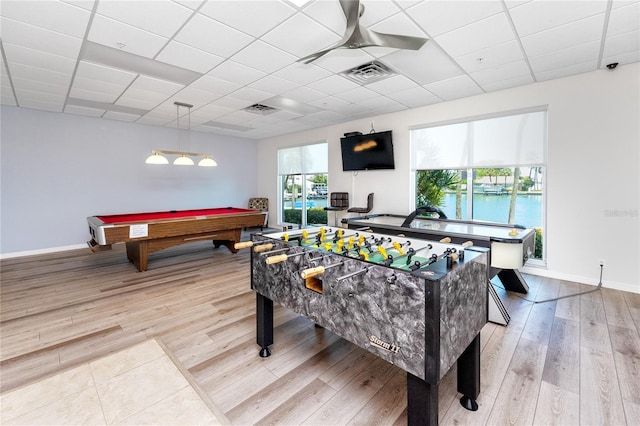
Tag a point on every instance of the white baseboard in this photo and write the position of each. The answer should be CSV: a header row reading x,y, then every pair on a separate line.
x,y
41,251
543,272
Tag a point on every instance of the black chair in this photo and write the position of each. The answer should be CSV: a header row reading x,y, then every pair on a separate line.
x,y
363,210
338,201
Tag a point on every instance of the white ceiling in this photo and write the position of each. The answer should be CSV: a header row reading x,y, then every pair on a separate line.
x,y
105,58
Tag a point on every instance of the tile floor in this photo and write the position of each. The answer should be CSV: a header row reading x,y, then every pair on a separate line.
x,y
140,385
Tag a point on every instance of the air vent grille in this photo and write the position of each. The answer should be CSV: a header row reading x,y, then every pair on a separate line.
x,y
368,73
260,109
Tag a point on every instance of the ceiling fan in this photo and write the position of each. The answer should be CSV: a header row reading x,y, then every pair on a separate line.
x,y
356,37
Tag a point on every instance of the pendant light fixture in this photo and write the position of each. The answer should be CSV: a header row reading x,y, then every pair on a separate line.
x,y
184,158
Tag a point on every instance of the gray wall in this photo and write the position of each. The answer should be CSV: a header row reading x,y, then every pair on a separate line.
x,y
57,169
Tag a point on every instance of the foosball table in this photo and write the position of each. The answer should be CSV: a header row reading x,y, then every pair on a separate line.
x,y
416,303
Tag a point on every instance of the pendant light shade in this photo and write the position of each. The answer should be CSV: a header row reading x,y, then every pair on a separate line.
x,y
156,158
207,162
183,159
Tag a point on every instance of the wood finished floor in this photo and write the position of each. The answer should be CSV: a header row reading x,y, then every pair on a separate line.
x,y
573,361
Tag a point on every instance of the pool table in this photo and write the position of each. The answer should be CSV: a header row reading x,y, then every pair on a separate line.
x,y
146,233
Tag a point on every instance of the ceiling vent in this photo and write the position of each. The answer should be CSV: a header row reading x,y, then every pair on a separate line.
x,y
368,73
260,109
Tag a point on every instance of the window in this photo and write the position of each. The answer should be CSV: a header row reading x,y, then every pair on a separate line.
x,y
302,172
486,169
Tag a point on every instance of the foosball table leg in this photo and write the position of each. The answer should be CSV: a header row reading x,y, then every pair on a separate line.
x,y
264,320
469,375
422,401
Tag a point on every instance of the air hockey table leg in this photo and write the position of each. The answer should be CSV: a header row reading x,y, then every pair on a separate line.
x,y
469,375
264,320
512,280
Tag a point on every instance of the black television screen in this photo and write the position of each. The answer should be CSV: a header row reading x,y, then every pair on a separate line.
x,y
372,151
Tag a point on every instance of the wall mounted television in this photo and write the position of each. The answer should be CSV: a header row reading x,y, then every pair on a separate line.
x,y
373,151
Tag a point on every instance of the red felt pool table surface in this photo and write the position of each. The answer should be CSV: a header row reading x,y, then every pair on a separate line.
x,y
172,214
145,233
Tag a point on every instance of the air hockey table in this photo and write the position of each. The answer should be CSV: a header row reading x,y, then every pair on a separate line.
x,y
510,246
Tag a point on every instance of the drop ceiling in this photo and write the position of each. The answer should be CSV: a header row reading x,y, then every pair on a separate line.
x,y
131,60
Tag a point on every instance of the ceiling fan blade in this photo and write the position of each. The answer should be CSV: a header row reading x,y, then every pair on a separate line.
x,y
396,41
310,58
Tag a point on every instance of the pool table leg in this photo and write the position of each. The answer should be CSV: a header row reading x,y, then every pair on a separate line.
x,y
137,253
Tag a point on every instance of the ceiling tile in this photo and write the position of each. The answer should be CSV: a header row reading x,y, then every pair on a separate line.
x,y
40,86
505,84
329,14
98,86
206,34
540,15
188,57
51,15
273,84
333,84
251,95
302,73
396,83
565,71
142,99
214,85
263,57
415,97
566,57
477,36
155,85
95,96
357,94
37,59
40,74
424,66
90,112
24,94
624,20
252,17
624,48
237,73
39,102
163,18
501,72
565,36
300,36
439,17
37,38
112,115
454,88
195,97
491,57
103,73
115,34
304,94
7,98
191,4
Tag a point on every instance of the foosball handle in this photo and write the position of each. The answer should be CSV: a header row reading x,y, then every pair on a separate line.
x,y
445,240
263,247
275,259
312,272
467,244
243,244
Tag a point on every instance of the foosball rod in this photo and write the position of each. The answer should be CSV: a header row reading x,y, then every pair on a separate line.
x,y
281,257
353,274
302,236
312,272
257,248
